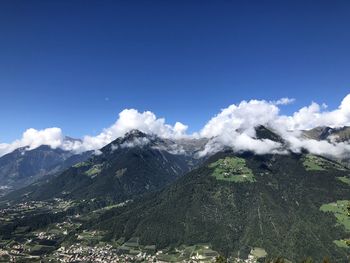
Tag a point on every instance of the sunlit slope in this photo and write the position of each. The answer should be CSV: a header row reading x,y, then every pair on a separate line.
x,y
238,201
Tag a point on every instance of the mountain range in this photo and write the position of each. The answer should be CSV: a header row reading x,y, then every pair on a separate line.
x,y
341,134
24,166
165,192
127,167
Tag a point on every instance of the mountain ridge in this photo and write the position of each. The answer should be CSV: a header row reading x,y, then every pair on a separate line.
x,y
130,165
24,166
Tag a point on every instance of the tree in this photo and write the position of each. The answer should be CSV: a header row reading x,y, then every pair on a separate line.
x,y
275,260
308,260
220,259
347,242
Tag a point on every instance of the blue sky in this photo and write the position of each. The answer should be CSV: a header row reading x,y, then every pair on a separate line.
x,y
77,64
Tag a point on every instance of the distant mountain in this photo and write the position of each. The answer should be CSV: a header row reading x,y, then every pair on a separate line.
x,y
291,205
334,135
129,166
341,134
23,166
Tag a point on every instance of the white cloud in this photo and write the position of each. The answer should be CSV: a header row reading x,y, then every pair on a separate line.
x,y
232,127
129,119
283,101
33,138
135,142
247,115
241,142
242,117
325,148
316,115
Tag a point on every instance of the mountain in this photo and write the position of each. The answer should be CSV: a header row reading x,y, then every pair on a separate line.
x,y
341,134
291,205
129,166
337,135
262,132
145,191
24,166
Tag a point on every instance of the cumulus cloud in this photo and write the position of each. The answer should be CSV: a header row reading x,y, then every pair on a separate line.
x,y
243,117
247,115
233,127
316,115
326,148
130,119
241,142
33,138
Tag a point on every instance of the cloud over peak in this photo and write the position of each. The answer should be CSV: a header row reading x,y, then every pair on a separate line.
x,y
233,126
33,138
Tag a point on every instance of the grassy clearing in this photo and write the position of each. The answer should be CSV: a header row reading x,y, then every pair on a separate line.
x,y
37,249
258,252
341,243
81,164
169,257
316,163
344,179
90,237
200,253
339,209
232,169
313,163
94,170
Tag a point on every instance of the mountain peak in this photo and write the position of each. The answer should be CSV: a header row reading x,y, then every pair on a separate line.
x,y
261,133
130,139
134,133
339,134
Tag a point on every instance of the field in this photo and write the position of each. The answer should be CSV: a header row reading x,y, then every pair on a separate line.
x,y
94,170
340,212
341,243
232,169
344,179
90,237
258,252
316,163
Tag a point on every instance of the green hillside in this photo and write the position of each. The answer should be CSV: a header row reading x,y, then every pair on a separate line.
x,y
277,208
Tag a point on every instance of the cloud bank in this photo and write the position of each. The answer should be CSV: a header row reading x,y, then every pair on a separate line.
x,y
233,127
33,138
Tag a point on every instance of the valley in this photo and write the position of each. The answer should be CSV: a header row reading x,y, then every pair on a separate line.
x,y
66,240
